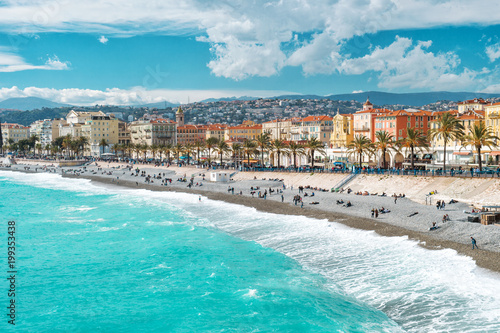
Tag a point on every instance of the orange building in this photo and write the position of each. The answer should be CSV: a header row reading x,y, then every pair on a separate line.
x,y
396,122
190,134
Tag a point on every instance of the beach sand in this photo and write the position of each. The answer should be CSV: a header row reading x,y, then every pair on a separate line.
x,y
454,234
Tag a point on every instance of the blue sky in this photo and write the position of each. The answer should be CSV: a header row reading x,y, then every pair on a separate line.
x,y
128,52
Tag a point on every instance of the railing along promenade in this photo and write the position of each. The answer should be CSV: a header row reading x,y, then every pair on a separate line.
x,y
392,172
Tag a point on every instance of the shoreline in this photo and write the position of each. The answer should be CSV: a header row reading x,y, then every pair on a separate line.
x,y
485,259
488,258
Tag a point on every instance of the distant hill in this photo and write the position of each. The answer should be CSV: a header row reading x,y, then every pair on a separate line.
x,y
229,99
159,105
411,99
29,103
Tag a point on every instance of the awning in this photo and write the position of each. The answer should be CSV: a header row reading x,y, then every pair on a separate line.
x,y
251,161
495,153
462,153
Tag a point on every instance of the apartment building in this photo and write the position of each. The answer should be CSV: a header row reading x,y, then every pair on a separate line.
x,y
14,132
153,132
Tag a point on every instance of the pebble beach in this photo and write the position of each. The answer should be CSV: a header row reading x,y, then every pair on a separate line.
x,y
407,217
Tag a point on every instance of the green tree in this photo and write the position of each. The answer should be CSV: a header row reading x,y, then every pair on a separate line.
x,y
415,139
211,143
296,149
249,149
199,145
448,128
178,149
360,145
221,148
313,145
103,144
263,140
167,149
236,148
480,135
280,147
385,141
188,150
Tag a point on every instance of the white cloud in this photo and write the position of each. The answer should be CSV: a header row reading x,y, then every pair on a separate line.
x,y
247,40
493,52
103,40
136,95
10,62
404,64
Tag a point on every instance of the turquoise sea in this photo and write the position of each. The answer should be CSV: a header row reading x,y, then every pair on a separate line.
x,y
93,258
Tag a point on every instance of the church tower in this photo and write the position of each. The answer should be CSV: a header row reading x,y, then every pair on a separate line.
x,y
179,117
368,105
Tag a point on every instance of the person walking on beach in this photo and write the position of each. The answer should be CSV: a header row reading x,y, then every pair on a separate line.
x,y
376,213
474,244
282,198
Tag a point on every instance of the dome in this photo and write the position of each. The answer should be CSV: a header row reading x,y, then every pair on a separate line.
x,y
179,110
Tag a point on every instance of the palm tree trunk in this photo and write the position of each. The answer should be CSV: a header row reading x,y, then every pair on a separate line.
x,y
221,159
412,161
383,159
444,158
278,159
479,158
360,160
295,161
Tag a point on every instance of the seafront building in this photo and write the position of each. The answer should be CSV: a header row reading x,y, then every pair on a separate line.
x,y
43,130
335,132
246,131
157,131
14,133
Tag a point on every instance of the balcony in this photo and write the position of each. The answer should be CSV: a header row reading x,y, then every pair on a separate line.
x,y
494,115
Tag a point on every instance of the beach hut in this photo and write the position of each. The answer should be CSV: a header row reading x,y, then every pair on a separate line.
x,y
220,176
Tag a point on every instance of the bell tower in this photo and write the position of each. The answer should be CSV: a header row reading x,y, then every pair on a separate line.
x,y
179,117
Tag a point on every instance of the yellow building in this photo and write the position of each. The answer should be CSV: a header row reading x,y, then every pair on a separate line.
x,y
492,117
98,128
215,131
14,132
246,131
342,133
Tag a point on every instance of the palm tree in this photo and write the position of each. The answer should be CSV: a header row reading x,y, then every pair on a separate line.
x,y
210,144
249,148
480,136
115,148
415,139
236,148
221,148
178,149
296,149
32,141
154,150
144,149
103,143
448,127
129,147
38,147
199,145
263,141
360,145
279,146
137,149
167,149
313,145
66,143
385,141
188,150
82,142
